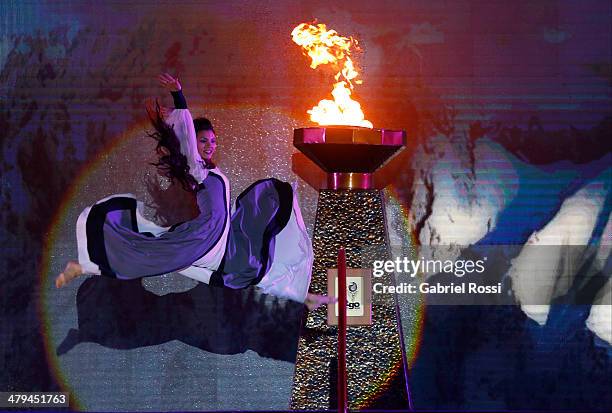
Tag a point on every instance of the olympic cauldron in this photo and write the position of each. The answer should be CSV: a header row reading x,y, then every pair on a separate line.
x,y
340,162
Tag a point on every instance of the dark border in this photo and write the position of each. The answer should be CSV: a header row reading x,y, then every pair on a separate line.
x,y
95,229
274,227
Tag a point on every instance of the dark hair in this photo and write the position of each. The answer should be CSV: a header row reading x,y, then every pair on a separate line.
x,y
172,163
201,124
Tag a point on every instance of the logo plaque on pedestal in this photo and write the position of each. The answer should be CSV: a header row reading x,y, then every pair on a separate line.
x,y
358,296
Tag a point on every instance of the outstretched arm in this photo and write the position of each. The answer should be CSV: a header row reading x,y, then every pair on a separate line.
x,y
176,138
174,86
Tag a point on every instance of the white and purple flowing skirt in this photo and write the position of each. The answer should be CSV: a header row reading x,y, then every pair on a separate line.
x,y
263,243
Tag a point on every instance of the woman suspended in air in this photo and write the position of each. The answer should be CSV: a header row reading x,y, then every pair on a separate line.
x,y
263,242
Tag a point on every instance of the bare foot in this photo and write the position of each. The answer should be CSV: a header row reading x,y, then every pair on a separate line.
x,y
314,301
73,269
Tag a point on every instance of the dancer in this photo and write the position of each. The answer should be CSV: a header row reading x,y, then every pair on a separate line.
x,y
263,243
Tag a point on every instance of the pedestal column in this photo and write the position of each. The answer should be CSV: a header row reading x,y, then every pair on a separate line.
x,y
353,219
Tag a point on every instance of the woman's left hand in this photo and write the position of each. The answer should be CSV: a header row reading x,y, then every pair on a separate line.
x,y
314,301
168,82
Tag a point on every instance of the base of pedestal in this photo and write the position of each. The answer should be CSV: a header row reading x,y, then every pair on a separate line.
x,y
375,361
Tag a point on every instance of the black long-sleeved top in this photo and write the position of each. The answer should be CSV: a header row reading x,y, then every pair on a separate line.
x,y
179,100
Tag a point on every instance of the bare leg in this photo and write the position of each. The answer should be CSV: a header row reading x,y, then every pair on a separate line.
x,y
314,301
73,269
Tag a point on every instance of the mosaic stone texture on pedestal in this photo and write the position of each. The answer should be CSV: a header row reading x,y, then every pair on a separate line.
x,y
354,220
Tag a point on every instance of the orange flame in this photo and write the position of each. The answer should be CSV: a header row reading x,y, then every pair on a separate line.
x,y
324,47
